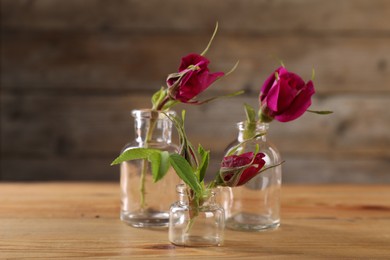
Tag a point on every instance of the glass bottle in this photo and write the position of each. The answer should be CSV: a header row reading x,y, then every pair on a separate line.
x,y
196,225
143,202
255,206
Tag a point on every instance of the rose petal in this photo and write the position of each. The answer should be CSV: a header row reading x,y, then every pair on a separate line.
x,y
193,59
233,168
266,87
280,95
237,160
286,95
252,171
268,83
300,104
194,83
294,81
247,175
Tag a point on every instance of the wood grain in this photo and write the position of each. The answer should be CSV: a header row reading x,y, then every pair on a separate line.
x,y
246,16
84,123
72,70
126,63
331,148
74,220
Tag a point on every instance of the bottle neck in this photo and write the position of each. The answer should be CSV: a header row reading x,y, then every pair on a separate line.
x,y
183,192
152,126
247,131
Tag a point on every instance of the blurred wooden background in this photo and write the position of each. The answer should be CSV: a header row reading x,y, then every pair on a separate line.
x,y
71,72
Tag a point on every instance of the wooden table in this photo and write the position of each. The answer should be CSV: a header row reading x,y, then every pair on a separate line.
x,y
77,220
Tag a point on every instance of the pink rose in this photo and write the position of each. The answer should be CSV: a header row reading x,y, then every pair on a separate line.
x,y
285,96
192,79
237,170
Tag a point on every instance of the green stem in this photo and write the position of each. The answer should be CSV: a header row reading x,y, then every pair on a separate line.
x,y
249,133
149,134
250,130
162,103
142,183
194,204
190,224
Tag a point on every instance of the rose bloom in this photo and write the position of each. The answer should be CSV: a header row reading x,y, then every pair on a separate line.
x,y
192,79
237,170
285,96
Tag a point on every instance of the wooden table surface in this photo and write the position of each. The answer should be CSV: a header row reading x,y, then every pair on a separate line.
x,y
80,220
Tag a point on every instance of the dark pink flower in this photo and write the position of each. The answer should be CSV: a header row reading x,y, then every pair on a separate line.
x,y
237,170
192,79
285,96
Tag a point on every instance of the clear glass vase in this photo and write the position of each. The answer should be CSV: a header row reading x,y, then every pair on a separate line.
x,y
143,202
196,224
255,206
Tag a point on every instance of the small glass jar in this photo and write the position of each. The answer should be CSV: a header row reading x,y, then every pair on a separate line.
x,y
196,225
255,206
143,202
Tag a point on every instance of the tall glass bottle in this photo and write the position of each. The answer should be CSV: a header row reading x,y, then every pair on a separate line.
x,y
143,202
255,206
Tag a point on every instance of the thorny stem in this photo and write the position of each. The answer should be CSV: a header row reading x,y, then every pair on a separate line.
x,y
162,104
149,134
142,183
190,224
249,130
194,205
249,134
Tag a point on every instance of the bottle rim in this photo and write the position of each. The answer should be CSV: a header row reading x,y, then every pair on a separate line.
x,y
259,126
149,113
182,189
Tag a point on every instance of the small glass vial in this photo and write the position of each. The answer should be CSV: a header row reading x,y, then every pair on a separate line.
x,y
143,202
255,206
196,225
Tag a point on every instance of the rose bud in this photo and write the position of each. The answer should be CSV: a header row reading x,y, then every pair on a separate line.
x,y
285,96
192,79
237,170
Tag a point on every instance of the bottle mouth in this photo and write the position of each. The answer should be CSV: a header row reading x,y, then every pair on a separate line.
x,y
183,189
260,127
149,113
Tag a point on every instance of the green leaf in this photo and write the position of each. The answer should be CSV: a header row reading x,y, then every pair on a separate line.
x,y
158,97
257,148
160,164
185,172
170,104
155,159
250,124
250,113
320,112
264,118
205,158
134,154
183,117
164,166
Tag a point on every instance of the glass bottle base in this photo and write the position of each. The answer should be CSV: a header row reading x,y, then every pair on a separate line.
x,y
251,222
145,219
197,241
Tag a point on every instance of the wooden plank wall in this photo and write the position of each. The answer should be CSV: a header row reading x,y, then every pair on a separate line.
x,y
71,72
